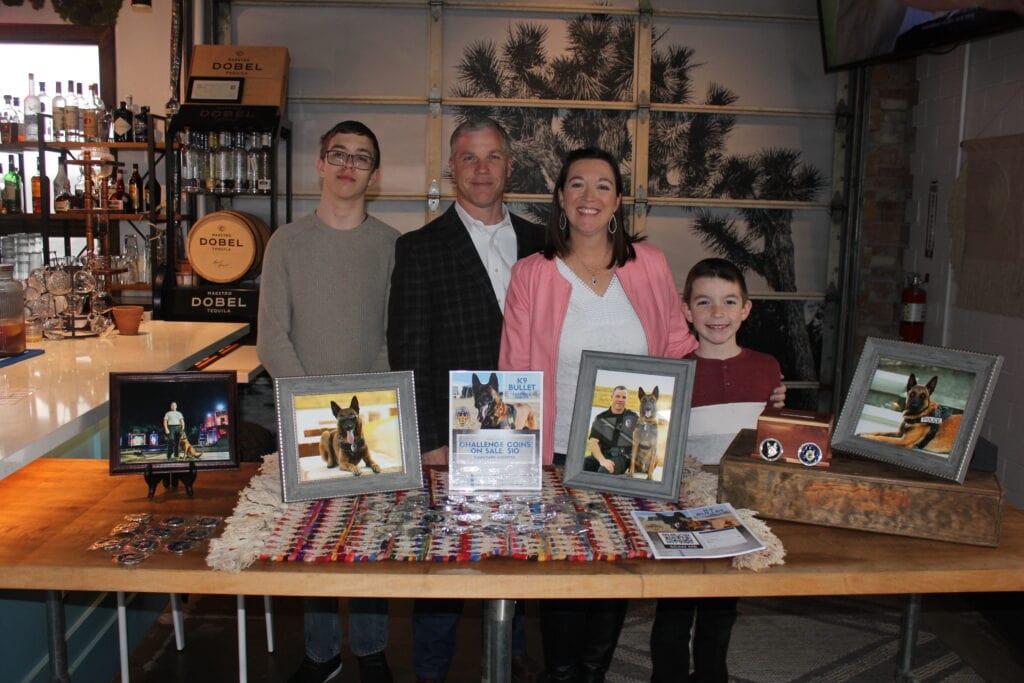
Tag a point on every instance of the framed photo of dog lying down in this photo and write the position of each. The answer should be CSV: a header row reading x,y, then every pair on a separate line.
x,y
915,406
343,435
628,432
170,420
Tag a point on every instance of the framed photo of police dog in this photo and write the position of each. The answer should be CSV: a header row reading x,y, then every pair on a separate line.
x,y
629,424
343,435
167,422
916,406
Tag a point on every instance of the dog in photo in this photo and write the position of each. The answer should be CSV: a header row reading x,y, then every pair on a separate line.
x,y
926,425
344,446
645,435
493,413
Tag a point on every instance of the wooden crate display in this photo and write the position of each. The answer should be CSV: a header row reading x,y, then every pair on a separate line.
x,y
863,494
798,436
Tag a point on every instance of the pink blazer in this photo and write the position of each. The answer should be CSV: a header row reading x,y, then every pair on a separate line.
x,y
535,307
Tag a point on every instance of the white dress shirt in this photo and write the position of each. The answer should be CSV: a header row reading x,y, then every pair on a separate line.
x,y
496,245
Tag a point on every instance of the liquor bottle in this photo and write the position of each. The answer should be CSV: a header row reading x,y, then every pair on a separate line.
x,y
263,164
191,160
37,188
210,161
13,188
141,126
116,200
239,157
151,198
57,110
46,129
62,196
31,111
121,121
91,117
102,114
18,120
252,149
225,163
8,122
83,104
71,114
135,191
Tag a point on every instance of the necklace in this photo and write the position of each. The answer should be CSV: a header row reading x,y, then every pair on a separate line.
x,y
593,275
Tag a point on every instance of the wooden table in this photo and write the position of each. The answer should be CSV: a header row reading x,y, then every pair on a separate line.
x,y
52,509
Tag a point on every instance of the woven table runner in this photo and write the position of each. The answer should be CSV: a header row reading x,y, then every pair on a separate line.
x,y
429,525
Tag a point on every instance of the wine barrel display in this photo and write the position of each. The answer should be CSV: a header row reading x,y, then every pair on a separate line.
x,y
227,246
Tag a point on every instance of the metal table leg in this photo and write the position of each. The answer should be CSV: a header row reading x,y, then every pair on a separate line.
x,y
497,654
56,643
908,637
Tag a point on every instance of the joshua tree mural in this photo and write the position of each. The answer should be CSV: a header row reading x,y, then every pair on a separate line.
x,y
687,156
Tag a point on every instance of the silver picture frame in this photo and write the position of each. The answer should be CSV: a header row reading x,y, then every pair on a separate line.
x,y
328,424
600,374
916,406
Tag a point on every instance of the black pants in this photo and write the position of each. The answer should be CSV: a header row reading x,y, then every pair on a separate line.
x,y
580,637
670,639
173,440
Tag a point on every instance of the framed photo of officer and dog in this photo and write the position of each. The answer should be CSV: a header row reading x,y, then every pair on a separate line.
x,y
629,425
345,435
918,407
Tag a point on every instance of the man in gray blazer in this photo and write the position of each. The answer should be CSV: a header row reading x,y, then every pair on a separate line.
x,y
445,313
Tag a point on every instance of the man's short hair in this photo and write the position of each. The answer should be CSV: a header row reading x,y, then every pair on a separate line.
x,y
351,128
622,388
474,125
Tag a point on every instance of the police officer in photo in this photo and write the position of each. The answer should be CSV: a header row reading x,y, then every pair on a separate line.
x,y
611,436
174,427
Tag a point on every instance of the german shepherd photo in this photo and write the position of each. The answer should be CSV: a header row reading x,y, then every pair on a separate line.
x,y
645,435
344,446
926,424
493,413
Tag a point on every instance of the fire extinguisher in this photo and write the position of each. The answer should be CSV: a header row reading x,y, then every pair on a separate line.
x,y
913,304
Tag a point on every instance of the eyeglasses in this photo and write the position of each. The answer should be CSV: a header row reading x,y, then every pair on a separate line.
x,y
335,157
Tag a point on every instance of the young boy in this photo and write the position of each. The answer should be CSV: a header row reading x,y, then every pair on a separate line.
x,y
716,304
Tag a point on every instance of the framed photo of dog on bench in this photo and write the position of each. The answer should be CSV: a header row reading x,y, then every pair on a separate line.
x,y
343,435
629,425
171,421
915,406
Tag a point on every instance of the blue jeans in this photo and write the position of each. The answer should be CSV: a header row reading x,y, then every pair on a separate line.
x,y
367,627
434,623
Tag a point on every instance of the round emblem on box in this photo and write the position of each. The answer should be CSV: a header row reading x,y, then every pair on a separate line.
x,y
462,416
809,454
770,449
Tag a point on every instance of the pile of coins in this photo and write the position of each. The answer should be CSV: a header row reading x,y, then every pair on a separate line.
x,y
138,536
438,526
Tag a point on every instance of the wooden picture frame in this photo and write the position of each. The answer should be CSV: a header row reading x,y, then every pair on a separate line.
x,y
657,459
141,401
328,424
916,406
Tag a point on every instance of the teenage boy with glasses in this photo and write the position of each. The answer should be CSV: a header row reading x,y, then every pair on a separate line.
x,y
323,299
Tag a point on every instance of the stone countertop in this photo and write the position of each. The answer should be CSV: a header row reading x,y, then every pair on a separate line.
x,y
68,385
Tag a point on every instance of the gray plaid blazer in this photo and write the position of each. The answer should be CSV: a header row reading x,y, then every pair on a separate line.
x,y
442,312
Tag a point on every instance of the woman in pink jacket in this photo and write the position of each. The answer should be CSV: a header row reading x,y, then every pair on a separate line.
x,y
598,287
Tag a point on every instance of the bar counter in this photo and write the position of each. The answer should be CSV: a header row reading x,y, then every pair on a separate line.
x,y
69,382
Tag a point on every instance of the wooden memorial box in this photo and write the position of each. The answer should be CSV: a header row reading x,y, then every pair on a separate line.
x,y
798,436
863,494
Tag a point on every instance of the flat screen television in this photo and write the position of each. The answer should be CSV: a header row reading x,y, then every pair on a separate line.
x,y
859,32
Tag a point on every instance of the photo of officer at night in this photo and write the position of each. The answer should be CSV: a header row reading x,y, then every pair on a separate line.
x,y
164,423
